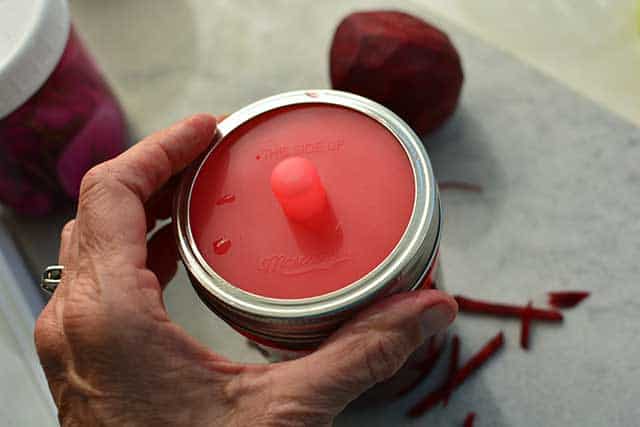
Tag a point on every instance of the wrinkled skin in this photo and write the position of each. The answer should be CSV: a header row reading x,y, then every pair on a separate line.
x,y
113,357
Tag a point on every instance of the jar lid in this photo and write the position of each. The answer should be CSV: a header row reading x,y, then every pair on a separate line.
x,y
320,195
401,269
33,35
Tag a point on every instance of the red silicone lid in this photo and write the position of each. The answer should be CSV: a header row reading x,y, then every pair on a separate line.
x,y
302,201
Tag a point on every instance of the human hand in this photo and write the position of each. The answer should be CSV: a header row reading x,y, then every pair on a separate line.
x,y
113,357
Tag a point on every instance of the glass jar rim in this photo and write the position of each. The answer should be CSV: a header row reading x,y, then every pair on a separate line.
x,y
422,232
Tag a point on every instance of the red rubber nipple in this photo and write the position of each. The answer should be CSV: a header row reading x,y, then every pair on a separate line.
x,y
297,186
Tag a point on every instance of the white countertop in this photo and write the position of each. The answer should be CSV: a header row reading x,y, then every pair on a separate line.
x,y
23,389
591,45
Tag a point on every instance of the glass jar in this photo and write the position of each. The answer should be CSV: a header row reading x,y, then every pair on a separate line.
x,y
286,284
58,117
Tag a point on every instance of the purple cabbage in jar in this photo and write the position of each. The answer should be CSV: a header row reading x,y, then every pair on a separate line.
x,y
70,124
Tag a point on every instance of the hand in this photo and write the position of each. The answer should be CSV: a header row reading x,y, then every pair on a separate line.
x,y
113,357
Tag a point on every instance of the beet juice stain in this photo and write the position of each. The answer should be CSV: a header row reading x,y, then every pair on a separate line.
x,y
221,246
227,198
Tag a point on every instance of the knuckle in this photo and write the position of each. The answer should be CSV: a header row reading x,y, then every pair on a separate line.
x,y
237,387
94,176
93,182
67,229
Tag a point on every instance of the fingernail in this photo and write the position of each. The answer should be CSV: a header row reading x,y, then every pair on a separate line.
x,y
435,319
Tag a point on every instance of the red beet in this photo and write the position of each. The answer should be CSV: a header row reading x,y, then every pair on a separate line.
x,y
401,62
48,143
525,326
468,421
567,299
469,305
472,365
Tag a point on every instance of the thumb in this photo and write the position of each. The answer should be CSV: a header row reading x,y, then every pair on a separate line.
x,y
372,347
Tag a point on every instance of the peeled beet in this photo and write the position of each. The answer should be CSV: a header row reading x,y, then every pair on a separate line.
x,y
401,62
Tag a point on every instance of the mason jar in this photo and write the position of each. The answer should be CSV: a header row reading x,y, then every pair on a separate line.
x,y
361,178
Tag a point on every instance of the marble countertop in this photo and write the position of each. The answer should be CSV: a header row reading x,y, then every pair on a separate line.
x,y
559,209
591,45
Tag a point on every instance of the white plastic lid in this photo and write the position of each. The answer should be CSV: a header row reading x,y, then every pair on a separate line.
x,y
33,35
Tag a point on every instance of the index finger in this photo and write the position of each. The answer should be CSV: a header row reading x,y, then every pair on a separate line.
x,y
111,208
148,165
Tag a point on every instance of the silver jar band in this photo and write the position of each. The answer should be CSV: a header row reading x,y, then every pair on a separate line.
x,y
314,316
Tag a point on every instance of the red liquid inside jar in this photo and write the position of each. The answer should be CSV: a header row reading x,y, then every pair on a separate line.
x,y
69,125
248,234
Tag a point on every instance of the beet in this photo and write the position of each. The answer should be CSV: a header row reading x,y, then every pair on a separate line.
x,y
70,124
400,61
